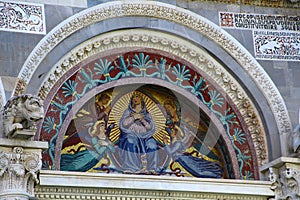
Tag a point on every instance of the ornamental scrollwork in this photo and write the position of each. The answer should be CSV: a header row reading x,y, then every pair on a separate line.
x,y
285,183
18,171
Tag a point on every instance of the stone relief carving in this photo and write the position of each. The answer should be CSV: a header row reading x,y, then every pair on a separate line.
x,y
285,183
194,55
22,17
20,115
177,15
18,171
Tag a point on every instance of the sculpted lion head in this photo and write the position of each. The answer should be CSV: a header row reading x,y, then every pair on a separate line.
x,y
33,108
21,114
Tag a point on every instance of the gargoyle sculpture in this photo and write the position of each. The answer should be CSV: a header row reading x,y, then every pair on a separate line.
x,y
20,115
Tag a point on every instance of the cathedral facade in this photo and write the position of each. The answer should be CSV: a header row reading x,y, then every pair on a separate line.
x,y
149,100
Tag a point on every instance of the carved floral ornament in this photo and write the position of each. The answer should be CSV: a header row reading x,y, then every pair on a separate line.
x,y
18,169
140,38
170,13
285,182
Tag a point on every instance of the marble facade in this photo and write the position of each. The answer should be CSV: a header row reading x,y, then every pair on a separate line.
x,y
249,102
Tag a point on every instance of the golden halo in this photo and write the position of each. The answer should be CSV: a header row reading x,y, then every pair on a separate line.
x,y
156,113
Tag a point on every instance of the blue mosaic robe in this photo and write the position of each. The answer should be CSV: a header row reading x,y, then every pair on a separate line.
x,y
138,149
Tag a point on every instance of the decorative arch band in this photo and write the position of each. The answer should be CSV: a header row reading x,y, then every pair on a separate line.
x,y
167,45
163,11
130,63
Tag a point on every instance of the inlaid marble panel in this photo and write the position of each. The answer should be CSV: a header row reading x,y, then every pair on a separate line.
x,y
22,17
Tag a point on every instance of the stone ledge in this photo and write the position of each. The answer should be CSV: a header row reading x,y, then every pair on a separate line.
x,y
279,162
4,142
49,178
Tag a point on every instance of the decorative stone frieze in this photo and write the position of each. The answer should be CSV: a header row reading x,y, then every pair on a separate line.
x,y
71,193
20,163
284,174
22,17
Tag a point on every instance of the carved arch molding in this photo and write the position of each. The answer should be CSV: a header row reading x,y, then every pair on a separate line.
x,y
199,61
176,64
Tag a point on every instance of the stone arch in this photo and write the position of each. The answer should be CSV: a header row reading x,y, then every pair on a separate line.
x,y
168,13
166,44
172,14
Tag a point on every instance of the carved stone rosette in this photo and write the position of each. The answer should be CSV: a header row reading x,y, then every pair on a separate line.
x,y
284,174
18,172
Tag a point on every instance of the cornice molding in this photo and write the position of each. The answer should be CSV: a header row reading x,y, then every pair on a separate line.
x,y
57,185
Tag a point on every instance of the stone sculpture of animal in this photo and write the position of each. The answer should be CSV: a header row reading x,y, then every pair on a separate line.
x,y
21,113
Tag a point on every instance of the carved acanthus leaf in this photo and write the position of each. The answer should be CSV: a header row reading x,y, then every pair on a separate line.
x,y
285,183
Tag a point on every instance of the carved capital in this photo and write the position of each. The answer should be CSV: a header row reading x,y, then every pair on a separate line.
x,y
18,172
284,175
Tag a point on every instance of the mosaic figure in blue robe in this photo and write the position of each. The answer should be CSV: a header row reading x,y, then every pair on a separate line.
x,y
196,166
179,138
97,149
137,147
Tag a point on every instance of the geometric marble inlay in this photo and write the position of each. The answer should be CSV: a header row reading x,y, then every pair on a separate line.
x,y
22,17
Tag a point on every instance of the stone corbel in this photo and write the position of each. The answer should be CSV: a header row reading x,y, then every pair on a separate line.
x,y
284,174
